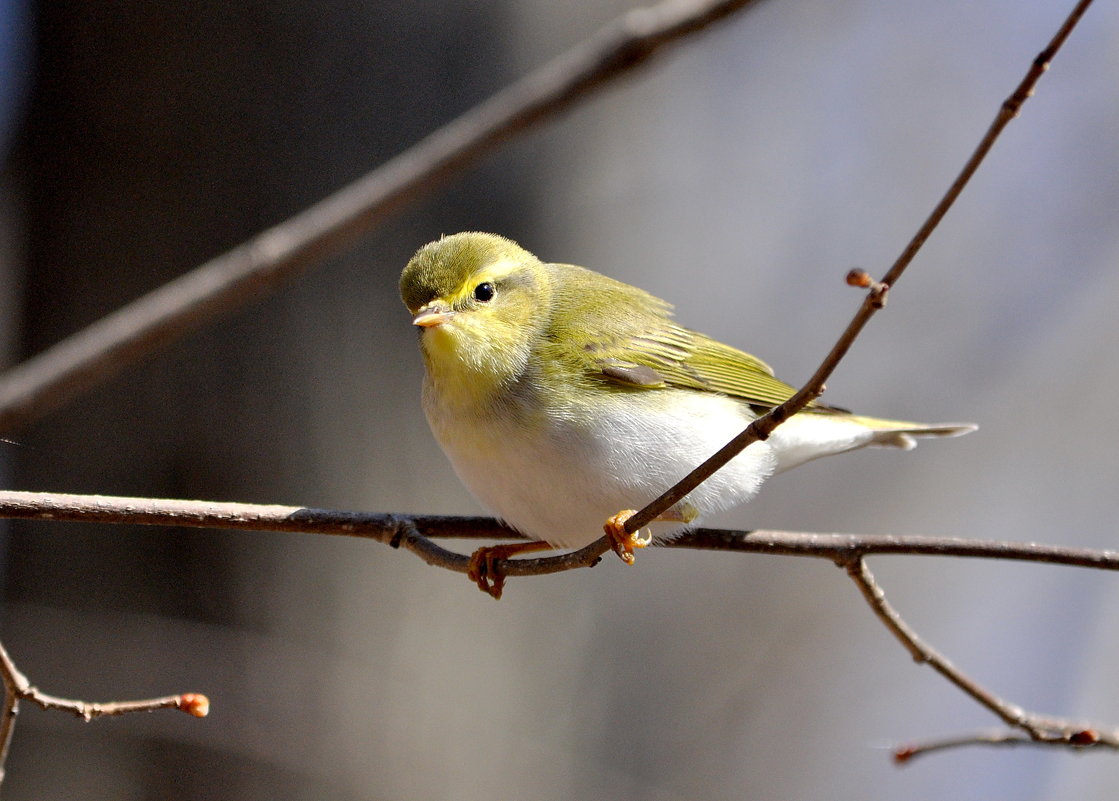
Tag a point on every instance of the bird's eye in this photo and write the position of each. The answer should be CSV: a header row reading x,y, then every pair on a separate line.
x,y
484,292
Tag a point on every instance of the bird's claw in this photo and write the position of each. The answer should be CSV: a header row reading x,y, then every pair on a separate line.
x,y
483,571
623,542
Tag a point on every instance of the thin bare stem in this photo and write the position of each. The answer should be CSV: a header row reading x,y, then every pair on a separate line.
x,y
13,682
193,704
904,754
7,727
277,255
415,532
924,653
1041,729
19,687
842,548
764,426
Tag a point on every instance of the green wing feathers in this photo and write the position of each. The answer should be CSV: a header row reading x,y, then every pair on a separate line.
x,y
690,360
627,336
716,367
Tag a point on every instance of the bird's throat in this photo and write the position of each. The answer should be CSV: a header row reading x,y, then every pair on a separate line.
x,y
467,373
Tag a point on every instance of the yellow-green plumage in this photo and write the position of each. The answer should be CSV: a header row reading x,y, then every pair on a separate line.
x,y
563,396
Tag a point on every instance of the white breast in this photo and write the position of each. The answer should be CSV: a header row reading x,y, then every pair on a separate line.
x,y
558,478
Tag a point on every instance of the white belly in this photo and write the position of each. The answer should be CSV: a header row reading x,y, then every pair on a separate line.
x,y
558,479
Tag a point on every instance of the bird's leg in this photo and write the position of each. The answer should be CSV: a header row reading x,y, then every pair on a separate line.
x,y
483,569
624,543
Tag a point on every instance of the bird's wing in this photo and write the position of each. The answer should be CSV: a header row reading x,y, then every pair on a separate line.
x,y
673,356
628,337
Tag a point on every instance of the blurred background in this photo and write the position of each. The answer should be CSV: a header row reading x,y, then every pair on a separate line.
x,y
740,177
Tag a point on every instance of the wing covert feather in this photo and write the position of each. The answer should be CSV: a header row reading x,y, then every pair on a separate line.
x,y
622,334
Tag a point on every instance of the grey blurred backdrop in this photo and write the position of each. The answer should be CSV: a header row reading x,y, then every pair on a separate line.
x,y
740,177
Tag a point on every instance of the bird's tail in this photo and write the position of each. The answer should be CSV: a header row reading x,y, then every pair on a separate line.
x,y
904,435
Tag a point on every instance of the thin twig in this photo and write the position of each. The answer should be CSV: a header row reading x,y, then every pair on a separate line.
x,y
415,532
194,704
904,754
875,299
18,687
924,653
845,547
14,682
1052,731
8,716
277,255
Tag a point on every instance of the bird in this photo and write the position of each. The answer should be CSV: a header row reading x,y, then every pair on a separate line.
x,y
564,399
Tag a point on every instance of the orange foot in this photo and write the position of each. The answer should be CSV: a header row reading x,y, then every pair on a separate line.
x,y
483,569
622,541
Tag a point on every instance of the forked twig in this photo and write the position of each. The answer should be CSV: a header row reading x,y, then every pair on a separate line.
x,y
1006,738
17,687
416,532
1026,726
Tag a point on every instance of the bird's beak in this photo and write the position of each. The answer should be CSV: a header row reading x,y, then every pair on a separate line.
x,y
430,316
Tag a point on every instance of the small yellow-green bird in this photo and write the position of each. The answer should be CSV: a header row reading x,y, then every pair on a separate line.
x,y
562,397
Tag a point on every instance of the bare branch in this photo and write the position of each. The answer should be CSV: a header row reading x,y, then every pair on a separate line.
x,y
415,532
842,548
8,716
1051,731
279,254
997,737
877,292
194,704
18,687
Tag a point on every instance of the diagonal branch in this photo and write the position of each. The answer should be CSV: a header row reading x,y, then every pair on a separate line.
x,y
764,426
8,716
279,254
1039,729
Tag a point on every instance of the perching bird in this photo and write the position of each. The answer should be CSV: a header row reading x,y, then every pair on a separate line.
x,y
562,397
